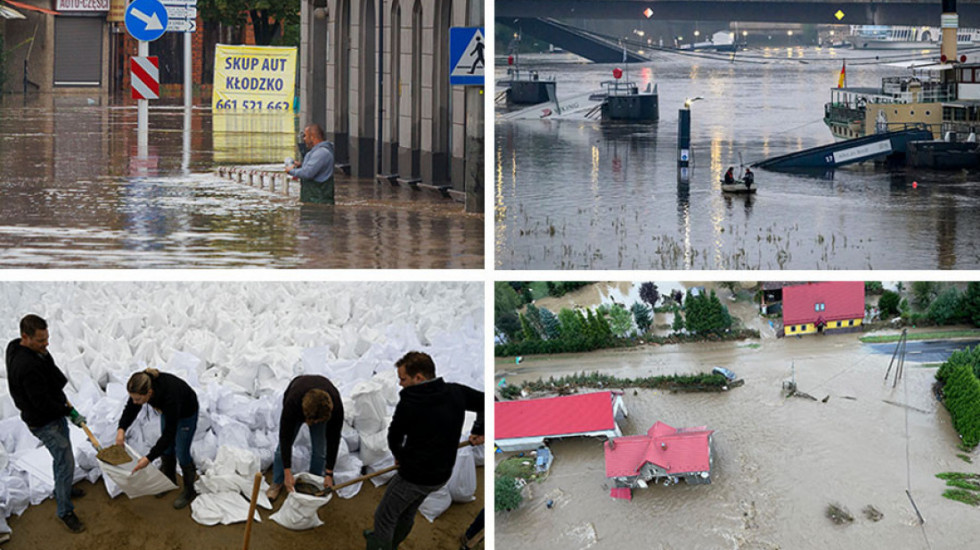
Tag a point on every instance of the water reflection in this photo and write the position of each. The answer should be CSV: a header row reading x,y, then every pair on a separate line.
x,y
610,189
76,195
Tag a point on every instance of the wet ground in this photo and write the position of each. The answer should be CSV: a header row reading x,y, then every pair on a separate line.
x,y
778,462
583,195
74,197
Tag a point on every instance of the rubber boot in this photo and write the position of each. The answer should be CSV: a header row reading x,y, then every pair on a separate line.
x,y
188,493
168,467
402,529
374,543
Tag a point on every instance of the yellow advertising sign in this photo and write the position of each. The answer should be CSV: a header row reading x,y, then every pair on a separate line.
x,y
253,78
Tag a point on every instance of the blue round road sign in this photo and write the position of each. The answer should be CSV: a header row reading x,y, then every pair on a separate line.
x,y
146,20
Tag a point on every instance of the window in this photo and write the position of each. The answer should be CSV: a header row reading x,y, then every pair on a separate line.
x,y
850,323
819,307
792,329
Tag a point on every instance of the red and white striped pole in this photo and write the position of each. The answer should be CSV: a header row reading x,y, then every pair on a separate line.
x,y
143,113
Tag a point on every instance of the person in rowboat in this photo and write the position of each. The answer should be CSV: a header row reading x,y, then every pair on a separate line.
x,y
730,176
749,178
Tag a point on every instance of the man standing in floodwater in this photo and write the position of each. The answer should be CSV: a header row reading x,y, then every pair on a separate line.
x,y
316,170
423,437
312,400
37,387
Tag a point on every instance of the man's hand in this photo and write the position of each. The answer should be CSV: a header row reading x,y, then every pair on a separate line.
x,y
328,481
476,440
76,417
143,463
120,436
289,481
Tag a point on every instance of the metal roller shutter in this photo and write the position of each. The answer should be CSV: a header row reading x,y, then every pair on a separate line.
x,y
78,51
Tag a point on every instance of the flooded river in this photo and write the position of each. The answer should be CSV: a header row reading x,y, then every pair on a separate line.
x,y
74,197
581,195
778,462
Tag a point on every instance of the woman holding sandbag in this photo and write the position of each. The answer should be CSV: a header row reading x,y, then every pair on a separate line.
x,y
177,404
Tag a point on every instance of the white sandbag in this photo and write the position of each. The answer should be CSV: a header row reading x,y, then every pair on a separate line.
x,y
462,483
299,511
18,496
436,503
148,481
224,508
386,462
479,453
348,467
4,528
370,407
4,457
374,447
351,437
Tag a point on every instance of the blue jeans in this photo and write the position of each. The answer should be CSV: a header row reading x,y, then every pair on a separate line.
x,y
398,506
55,438
318,457
182,443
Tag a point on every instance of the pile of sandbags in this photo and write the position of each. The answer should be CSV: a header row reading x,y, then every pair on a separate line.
x,y
238,345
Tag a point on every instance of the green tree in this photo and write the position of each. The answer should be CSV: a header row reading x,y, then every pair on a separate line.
x,y
923,293
572,327
704,314
945,309
533,315
509,324
552,328
506,495
643,316
888,303
678,324
971,303
620,321
527,330
269,18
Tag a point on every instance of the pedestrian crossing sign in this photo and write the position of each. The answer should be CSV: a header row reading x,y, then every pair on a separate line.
x,y
466,58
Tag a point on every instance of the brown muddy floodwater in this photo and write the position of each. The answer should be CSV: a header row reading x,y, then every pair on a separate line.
x,y
73,197
778,462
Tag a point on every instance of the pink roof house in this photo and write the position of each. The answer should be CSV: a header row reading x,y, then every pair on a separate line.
x,y
524,425
664,452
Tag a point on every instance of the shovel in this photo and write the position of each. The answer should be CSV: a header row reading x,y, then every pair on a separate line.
x,y
106,454
372,474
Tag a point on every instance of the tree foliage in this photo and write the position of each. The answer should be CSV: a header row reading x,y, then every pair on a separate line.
x,y
560,288
923,293
268,17
649,293
945,309
552,328
873,287
888,303
705,313
506,494
971,303
620,321
643,316
961,393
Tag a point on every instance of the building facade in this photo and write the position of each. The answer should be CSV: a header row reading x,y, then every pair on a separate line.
x,y
826,307
375,75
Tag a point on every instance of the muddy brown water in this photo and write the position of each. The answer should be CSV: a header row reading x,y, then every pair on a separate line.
x,y
74,197
778,463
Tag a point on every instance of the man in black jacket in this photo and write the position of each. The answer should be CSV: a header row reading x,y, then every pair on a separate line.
x,y
313,400
37,388
423,437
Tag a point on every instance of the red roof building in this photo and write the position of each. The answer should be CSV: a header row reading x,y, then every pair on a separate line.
x,y
524,425
823,307
663,453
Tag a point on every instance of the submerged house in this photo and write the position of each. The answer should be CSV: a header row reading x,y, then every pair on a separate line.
x,y
525,425
823,307
663,453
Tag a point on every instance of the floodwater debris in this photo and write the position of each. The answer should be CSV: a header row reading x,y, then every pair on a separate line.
x,y
872,513
838,514
115,455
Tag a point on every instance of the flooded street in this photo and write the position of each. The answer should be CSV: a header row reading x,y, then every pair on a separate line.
x,y
581,195
778,462
75,198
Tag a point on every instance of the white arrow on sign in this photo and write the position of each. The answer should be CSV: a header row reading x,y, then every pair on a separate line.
x,y
152,21
181,25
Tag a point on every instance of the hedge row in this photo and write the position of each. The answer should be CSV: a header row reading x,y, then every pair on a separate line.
x,y
961,395
702,381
